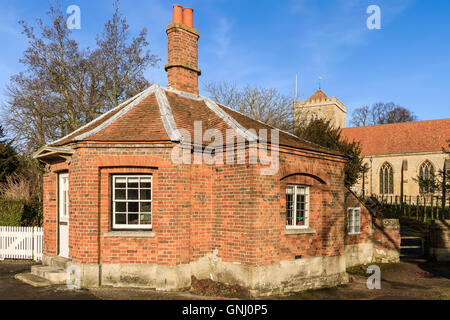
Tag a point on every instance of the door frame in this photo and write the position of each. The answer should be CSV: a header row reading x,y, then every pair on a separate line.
x,y
58,212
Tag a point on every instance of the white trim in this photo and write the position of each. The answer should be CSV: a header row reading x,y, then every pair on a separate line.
x,y
127,213
167,116
63,215
230,120
184,94
294,209
351,215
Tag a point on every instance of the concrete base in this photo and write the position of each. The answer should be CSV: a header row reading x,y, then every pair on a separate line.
x,y
52,274
358,254
440,254
280,278
383,255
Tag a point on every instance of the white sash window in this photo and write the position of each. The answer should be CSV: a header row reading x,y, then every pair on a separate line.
x,y
297,206
354,221
132,202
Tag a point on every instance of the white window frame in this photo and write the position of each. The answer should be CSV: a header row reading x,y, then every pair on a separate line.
x,y
354,228
116,226
296,189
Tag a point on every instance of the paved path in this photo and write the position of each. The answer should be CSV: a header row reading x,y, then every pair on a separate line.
x,y
12,289
411,279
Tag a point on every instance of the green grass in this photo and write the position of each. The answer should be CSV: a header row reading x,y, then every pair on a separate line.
x,y
361,270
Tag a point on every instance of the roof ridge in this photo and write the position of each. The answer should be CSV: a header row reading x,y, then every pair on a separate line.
x,y
167,115
286,132
397,123
250,136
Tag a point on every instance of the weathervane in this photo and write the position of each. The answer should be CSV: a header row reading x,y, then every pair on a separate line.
x,y
320,83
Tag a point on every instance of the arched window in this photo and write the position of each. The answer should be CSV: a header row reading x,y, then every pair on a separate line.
x,y
386,179
426,175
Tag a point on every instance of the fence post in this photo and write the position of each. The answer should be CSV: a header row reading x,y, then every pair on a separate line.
x,y
437,207
409,208
432,203
2,244
424,209
417,208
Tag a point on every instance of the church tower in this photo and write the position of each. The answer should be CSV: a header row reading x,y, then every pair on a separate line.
x,y
319,106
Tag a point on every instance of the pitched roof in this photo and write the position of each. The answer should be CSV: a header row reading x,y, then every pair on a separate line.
x,y
158,114
405,137
319,95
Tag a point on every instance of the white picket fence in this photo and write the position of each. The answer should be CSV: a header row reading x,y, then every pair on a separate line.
x,y
24,243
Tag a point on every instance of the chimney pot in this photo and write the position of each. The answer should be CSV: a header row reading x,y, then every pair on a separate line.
x,y
188,17
177,14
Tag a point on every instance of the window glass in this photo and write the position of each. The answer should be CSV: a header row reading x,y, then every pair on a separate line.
x,y
132,202
297,206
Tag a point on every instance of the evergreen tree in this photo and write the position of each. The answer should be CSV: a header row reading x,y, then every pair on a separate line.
x,y
8,157
324,134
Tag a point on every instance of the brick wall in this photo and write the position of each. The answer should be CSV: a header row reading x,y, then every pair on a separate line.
x,y
182,69
198,208
366,221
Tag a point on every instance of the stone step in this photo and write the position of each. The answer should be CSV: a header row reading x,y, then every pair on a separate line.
x,y
53,274
59,262
33,280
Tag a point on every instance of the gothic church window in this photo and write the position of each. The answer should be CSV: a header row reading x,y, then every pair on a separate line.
x,y
426,175
386,179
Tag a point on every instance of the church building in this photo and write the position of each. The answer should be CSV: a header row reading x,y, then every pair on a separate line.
x,y
396,154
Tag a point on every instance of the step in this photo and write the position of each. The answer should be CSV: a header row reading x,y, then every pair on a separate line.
x,y
53,274
411,238
33,280
59,262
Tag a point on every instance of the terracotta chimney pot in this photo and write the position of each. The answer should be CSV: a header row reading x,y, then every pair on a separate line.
x,y
177,14
188,17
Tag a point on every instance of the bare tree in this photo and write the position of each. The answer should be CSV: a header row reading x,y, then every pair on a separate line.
x,y
360,117
266,105
381,113
122,62
64,86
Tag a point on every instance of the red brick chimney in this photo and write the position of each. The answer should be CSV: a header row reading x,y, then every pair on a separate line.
x,y
182,69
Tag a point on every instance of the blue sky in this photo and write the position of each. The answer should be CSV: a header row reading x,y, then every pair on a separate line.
x,y
267,42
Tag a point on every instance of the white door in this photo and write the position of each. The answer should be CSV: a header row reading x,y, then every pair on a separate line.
x,y
63,212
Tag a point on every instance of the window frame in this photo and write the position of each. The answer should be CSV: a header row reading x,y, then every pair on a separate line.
x,y
294,209
426,168
127,227
351,217
386,175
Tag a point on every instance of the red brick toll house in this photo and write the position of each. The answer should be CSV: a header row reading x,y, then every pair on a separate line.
x,y
119,210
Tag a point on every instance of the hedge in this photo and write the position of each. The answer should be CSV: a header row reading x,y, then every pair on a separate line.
x,y
11,213
20,213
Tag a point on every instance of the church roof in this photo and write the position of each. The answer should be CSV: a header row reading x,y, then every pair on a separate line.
x,y
408,137
158,114
318,95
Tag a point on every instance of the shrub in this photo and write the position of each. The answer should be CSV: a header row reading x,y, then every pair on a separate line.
x,y
11,213
16,188
33,214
